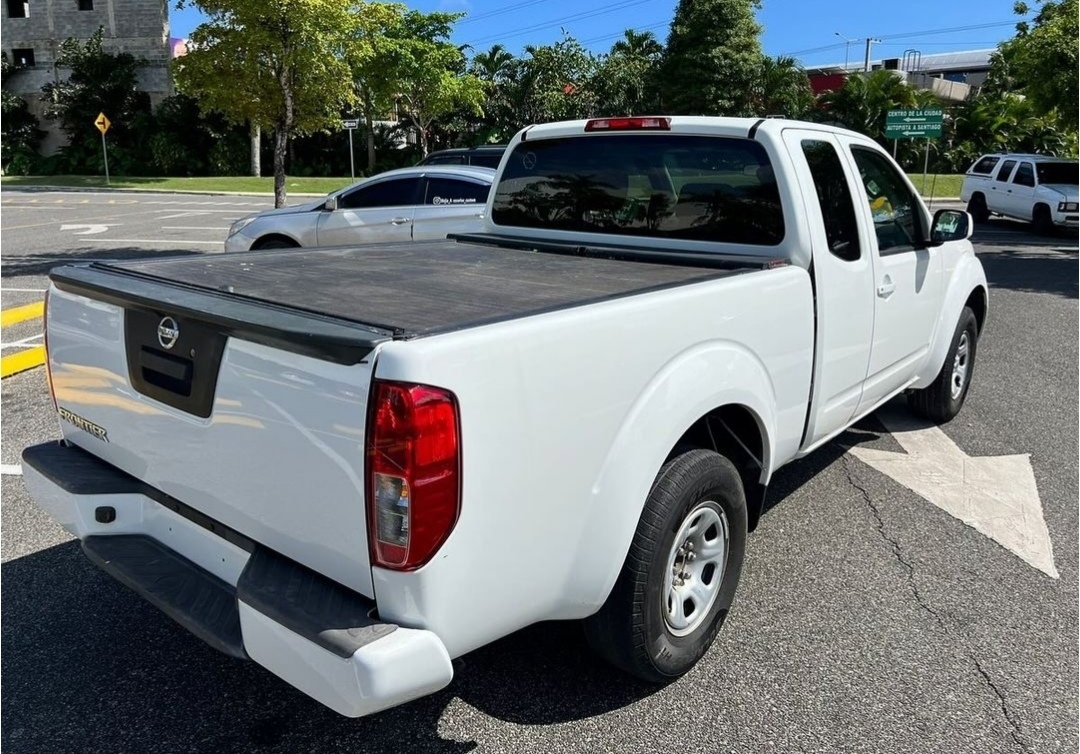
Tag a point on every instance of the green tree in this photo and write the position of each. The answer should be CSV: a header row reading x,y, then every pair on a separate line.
x,y
19,133
495,68
279,65
712,58
865,98
1004,122
553,82
1042,59
98,81
625,81
782,88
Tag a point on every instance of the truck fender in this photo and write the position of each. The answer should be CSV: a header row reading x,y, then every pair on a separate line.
x,y
967,278
697,381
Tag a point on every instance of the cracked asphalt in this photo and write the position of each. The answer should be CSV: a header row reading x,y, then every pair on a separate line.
x,y
867,619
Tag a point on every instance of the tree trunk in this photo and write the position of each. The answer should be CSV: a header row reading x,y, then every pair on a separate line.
x,y
281,149
256,156
369,123
423,139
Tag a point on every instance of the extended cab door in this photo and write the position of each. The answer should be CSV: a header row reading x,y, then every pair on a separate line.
x,y
907,284
1020,193
381,211
997,196
450,205
843,276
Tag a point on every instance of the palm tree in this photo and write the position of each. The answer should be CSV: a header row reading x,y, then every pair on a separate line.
x,y
492,66
637,44
783,88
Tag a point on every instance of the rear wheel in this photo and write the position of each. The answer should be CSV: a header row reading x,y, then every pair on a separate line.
x,y
943,399
977,208
1041,220
680,576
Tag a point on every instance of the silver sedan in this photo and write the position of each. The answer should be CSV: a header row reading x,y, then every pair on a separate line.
x,y
416,203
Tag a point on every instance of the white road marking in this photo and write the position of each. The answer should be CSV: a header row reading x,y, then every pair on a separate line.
x,y
10,469
24,290
198,212
21,343
187,227
86,230
152,240
996,495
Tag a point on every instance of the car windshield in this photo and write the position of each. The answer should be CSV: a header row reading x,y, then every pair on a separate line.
x,y
655,185
1058,172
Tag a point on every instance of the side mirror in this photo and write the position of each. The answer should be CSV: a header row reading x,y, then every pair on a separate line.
x,y
331,204
950,225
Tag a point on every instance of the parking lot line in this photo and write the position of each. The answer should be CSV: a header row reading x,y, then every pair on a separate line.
x,y
21,313
20,362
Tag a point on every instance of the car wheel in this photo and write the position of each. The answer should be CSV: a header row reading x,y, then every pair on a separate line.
x,y
679,578
977,208
275,242
942,400
1041,220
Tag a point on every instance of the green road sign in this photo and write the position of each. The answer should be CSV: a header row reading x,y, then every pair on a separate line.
x,y
914,124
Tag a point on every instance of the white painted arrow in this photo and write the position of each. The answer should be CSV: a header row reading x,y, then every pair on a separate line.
x,y
85,230
995,495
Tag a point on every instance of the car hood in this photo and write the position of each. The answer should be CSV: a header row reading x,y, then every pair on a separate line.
x,y
1067,190
294,209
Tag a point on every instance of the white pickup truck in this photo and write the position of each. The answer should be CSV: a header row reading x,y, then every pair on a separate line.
x,y
353,465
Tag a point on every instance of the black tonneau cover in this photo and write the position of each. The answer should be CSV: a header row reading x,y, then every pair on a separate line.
x,y
401,290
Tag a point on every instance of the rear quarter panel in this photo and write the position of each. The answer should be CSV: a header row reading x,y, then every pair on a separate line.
x,y
566,419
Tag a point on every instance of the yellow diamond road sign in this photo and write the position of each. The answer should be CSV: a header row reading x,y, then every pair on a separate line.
x,y
102,123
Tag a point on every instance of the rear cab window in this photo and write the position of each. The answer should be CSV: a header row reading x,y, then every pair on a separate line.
x,y
669,186
985,166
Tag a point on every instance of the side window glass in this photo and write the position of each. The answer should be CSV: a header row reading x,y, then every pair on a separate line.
x,y
1025,175
443,192
397,193
1006,168
892,205
834,198
985,166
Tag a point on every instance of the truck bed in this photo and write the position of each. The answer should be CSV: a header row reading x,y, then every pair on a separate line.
x,y
416,288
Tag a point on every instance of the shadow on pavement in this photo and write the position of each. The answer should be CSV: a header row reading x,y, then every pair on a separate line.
x,y
89,666
1046,271
40,264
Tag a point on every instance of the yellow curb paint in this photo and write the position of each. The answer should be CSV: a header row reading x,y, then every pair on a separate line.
x,y
21,313
21,361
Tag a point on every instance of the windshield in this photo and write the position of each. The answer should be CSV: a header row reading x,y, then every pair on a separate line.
x,y
1058,172
698,188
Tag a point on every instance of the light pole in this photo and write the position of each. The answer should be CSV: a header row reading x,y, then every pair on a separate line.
x,y
869,43
847,46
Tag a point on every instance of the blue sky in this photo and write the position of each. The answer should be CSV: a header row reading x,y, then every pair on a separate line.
x,y
804,28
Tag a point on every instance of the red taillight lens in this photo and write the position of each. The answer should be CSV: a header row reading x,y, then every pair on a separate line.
x,y
413,472
45,336
629,124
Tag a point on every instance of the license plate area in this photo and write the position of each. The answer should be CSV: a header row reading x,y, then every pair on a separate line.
x,y
173,359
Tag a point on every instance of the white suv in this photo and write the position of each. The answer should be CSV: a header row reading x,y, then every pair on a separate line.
x,y
1032,187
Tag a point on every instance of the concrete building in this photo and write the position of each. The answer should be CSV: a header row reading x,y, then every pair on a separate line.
x,y
33,30
950,75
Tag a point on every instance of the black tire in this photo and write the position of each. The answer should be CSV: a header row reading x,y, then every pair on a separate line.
x,y
978,210
631,630
1042,222
275,242
937,402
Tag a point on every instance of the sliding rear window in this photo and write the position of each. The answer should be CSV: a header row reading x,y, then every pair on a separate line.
x,y
694,188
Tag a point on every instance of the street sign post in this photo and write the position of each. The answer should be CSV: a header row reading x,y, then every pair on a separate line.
x,y
350,125
915,124
103,124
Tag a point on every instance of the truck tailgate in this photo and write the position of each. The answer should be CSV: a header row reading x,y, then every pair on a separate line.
x,y
257,424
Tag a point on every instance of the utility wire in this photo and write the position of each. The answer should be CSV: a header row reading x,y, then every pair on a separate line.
x,y
598,11
501,11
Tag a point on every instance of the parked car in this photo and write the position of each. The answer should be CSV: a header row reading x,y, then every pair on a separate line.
x,y
352,465
487,156
1032,187
399,205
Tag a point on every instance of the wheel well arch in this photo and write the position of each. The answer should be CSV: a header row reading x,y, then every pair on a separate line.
x,y
976,301
263,240
737,433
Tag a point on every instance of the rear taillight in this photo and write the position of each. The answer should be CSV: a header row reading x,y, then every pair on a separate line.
x,y
45,335
628,124
413,472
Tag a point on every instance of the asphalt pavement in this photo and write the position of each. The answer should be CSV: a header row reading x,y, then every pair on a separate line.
x,y
867,620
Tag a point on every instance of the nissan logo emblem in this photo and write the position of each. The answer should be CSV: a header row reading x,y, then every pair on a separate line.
x,y
168,332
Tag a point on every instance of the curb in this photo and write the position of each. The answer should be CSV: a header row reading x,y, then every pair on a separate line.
x,y
194,192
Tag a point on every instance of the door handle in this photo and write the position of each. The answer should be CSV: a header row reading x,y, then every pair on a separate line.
x,y
399,221
1008,191
886,288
